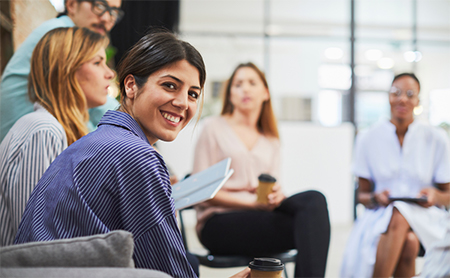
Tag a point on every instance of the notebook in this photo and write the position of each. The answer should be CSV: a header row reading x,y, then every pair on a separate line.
x,y
201,186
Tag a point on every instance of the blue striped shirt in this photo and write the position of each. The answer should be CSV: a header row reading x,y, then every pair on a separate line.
x,y
34,141
110,179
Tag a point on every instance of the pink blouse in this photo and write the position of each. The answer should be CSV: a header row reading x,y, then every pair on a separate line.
x,y
218,141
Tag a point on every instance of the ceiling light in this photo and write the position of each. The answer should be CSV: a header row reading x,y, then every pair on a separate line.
x,y
385,63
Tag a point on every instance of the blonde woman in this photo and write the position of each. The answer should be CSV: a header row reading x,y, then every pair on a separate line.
x,y
234,222
68,76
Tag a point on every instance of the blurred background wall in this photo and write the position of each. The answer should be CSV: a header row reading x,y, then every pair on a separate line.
x,y
329,65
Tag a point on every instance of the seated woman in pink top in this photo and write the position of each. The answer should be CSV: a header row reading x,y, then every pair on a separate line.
x,y
234,222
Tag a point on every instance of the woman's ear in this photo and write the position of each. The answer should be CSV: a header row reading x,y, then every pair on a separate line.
x,y
71,6
131,88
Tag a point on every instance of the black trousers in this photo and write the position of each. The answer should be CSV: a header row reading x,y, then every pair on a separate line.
x,y
301,222
194,263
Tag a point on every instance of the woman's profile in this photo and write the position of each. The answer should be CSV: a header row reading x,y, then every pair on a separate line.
x,y
68,76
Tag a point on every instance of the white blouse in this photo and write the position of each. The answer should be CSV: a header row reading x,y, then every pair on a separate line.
x,y
424,159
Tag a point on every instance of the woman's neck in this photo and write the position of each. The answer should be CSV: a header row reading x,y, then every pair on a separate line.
x,y
401,128
249,120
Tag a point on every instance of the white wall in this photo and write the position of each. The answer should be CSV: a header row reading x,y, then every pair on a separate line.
x,y
313,157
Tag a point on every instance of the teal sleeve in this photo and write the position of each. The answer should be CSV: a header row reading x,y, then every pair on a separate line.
x,y
14,101
95,114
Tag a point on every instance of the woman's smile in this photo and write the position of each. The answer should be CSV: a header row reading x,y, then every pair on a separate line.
x,y
171,118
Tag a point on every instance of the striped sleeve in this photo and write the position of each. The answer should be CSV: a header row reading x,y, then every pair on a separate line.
x,y
161,248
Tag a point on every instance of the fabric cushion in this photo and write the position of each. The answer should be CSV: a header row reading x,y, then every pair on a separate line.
x,y
97,272
102,250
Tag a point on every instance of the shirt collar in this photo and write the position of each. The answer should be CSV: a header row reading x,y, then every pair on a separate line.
x,y
392,128
67,20
123,120
37,106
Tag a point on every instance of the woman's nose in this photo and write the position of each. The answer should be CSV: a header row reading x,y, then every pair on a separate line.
x,y
109,73
181,100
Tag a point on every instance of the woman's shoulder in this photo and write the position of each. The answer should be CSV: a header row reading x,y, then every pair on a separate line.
x,y
212,124
432,132
271,140
37,122
120,142
213,121
373,132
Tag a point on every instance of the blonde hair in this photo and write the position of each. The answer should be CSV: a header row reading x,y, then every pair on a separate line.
x,y
52,83
267,122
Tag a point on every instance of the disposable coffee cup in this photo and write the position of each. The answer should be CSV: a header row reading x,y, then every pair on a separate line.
x,y
266,268
266,183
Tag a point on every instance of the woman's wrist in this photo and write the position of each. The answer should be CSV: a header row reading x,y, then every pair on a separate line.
x,y
373,202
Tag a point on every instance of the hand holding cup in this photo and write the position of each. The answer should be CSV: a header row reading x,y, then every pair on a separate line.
x,y
265,187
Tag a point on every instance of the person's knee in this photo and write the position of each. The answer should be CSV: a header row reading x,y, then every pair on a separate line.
x,y
398,223
410,248
315,198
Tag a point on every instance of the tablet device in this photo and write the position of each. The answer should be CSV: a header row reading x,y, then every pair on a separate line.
x,y
201,179
203,194
409,199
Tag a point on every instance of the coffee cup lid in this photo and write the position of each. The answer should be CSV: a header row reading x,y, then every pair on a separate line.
x,y
266,178
266,264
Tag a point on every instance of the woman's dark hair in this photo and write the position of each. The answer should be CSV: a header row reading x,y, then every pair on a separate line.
x,y
154,51
406,74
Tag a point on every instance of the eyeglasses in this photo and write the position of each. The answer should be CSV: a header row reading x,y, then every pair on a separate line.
x,y
394,91
100,7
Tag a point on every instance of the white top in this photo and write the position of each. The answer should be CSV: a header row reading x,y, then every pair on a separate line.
x,y
34,141
218,141
424,159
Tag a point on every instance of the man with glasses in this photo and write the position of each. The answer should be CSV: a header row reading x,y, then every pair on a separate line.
x,y
97,15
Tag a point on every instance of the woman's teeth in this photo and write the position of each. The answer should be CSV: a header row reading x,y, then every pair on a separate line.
x,y
170,117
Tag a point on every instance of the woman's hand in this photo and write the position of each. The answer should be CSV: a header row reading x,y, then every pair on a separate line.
x,y
242,274
276,197
382,198
274,200
430,193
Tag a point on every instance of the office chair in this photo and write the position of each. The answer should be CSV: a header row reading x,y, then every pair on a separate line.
x,y
222,261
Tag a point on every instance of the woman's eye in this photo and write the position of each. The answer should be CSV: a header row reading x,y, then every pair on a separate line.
x,y
169,85
193,94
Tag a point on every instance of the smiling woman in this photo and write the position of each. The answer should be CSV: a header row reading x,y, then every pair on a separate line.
x,y
402,157
167,101
113,177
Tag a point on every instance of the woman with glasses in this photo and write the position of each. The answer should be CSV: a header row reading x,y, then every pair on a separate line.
x,y
399,158
68,75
